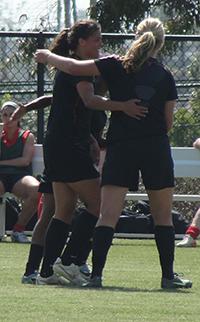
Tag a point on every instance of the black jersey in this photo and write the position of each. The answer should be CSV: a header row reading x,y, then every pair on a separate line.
x,y
98,123
69,119
152,84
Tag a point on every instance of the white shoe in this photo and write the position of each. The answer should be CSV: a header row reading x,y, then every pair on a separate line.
x,y
71,272
51,280
187,241
19,237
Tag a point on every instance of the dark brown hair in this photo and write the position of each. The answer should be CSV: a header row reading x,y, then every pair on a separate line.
x,y
67,40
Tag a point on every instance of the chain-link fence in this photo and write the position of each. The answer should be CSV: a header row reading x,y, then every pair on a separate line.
x,y
21,79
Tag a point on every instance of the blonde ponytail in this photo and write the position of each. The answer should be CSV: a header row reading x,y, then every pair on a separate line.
x,y
149,40
139,52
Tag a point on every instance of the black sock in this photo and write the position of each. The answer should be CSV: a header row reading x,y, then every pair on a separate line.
x,y
164,236
102,241
34,259
78,246
56,237
84,253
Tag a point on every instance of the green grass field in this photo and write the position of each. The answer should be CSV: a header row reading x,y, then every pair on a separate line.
x,y
131,289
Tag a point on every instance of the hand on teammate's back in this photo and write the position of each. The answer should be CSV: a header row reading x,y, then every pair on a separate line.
x,y
132,109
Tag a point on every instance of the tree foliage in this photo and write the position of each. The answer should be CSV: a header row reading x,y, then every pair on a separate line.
x,y
121,15
184,15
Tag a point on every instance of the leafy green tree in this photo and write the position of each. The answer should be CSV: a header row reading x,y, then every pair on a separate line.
x,y
122,15
183,15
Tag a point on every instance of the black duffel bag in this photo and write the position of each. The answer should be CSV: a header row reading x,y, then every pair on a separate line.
x,y
139,220
133,222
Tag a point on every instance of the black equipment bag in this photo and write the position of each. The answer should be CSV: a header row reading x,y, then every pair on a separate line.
x,y
139,220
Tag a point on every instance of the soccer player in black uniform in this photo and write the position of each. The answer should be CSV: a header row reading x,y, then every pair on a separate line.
x,y
35,256
134,145
68,163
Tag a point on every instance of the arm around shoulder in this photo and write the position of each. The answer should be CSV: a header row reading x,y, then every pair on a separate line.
x,y
38,103
67,65
74,66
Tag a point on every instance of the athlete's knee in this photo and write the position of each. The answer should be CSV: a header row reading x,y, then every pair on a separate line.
x,y
109,216
94,209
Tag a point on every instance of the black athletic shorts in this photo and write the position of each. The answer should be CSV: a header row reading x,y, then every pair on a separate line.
x,y
68,163
9,180
45,184
150,157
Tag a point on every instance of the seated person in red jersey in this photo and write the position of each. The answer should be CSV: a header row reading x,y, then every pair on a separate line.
x,y
16,153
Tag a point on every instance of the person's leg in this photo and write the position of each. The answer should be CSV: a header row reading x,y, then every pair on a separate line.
x,y
57,233
194,229
48,210
26,189
83,258
112,205
118,174
112,202
78,246
192,232
196,219
161,206
38,237
161,210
